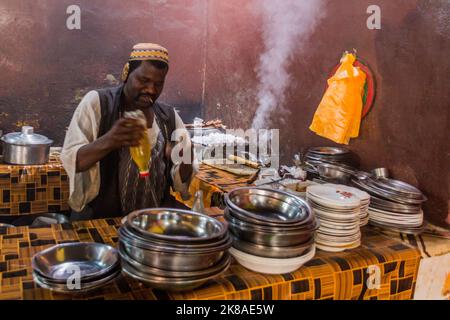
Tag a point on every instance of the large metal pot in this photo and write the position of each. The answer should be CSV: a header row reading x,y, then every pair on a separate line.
x,y
26,147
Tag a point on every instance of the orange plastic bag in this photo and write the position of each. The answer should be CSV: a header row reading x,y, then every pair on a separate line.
x,y
338,116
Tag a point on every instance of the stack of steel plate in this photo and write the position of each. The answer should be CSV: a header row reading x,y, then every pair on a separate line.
x,y
394,204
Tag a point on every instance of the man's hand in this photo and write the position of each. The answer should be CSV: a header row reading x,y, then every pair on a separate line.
x,y
125,133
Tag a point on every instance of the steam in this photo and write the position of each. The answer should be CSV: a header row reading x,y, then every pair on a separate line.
x,y
287,25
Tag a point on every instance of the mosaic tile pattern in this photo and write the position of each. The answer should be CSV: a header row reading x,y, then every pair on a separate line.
x,y
327,276
28,190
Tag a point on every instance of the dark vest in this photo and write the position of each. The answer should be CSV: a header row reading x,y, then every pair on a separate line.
x,y
107,203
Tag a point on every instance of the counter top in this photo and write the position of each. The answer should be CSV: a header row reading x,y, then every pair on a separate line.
x,y
328,276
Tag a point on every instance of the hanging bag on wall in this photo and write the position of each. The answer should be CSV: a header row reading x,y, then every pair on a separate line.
x,y
338,116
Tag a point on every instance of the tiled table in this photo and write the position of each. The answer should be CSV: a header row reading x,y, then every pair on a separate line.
x,y
345,275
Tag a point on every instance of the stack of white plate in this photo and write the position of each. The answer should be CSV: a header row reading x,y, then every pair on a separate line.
x,y
365,201
339,213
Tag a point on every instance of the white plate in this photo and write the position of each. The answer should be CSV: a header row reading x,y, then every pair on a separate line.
x,y
420,213
340,224
387,218
336,239
337,249
271,265
334,195
398,216
351,216
325,205
315,204
362,195
341,227
333,234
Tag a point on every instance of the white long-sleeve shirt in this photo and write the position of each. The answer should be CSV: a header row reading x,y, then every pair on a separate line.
x,y
83,129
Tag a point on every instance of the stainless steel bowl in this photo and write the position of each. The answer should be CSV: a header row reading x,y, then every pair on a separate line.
x,y
273,252
273,239
399,229
61,261
169,284
375,187
84,286
400,188
173,274
334,173
387,205
257,222
268,205
309,227
133,239
176,225
172,261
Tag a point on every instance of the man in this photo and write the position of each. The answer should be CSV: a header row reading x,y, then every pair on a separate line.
x,y
104,181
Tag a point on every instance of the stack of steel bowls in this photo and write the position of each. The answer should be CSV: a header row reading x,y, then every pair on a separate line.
x,y
333,155
173,249
273,230
75,267
394,204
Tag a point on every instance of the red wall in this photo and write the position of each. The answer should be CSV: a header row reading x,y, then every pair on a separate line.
x,y
45,69
407,130
214,46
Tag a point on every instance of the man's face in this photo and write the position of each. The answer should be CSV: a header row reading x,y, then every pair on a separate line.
x,y
145,84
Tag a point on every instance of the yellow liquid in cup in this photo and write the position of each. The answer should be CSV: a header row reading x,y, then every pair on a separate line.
x,y
141,156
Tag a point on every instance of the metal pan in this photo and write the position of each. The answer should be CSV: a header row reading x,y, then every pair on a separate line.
x,y
169,284
84,286
399,187
373,190
221,245
60,261
173,274
172,261
399,229
176,225
273,252
268,205
311,226
331,151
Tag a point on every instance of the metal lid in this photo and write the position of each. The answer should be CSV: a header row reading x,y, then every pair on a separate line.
x,y
26,137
